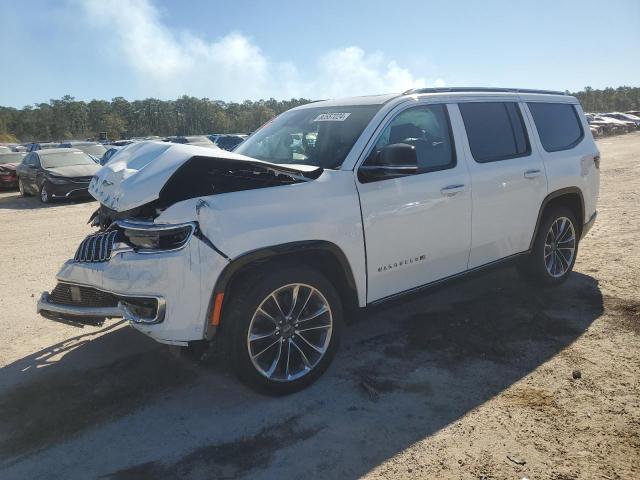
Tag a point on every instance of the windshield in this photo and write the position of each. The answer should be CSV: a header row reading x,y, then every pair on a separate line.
x,y
321,136
65,159
92,149
11,157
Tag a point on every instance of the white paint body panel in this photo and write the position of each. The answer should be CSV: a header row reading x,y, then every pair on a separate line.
x,y
414,234
373,224
505,204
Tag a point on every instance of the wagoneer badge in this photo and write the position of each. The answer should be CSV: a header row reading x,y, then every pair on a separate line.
x,y
406,261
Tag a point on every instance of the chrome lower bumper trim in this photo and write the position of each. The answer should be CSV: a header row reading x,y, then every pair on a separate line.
x,y
120,311
44,304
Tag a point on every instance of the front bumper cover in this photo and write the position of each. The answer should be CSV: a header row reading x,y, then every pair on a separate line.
x,y
94,314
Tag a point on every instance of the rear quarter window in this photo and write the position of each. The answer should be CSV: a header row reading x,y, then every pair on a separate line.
x,y
558,125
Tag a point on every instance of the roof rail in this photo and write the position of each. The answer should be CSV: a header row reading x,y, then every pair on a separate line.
x,y
414,91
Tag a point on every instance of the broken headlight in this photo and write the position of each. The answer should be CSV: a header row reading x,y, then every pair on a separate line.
x,y
156,237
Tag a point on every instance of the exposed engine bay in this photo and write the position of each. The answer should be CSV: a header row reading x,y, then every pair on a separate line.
x,y
203,176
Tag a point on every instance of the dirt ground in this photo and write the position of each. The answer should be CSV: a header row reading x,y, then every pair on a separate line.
x,y
471,381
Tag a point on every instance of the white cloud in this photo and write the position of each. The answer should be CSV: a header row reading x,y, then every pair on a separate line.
x,y
169,63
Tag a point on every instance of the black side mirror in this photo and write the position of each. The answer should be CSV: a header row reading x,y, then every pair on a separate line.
x,y
394,160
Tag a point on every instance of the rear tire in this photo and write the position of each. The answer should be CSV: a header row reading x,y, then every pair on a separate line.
x,y
283,328
555,249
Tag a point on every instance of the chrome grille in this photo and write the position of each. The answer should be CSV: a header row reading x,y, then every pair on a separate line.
x,y
97,247
81,179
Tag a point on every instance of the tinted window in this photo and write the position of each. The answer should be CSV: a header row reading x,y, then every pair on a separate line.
x,y
427,129
495,130
557,124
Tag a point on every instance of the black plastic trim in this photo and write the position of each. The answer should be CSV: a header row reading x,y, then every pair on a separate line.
x,y
545,202
267,253
445,281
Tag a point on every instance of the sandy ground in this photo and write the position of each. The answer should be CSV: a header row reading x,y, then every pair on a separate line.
x,y
472,381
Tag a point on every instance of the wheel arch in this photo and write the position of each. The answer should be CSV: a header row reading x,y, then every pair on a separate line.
x,y
570,197
323,255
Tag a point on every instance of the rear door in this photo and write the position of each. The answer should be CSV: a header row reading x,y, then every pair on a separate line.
x,y
570,155
418,226
508,177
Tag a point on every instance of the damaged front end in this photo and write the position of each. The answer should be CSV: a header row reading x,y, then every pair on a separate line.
x,y
149,177
144,266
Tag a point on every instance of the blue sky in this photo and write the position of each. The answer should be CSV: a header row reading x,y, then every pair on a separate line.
x,y
259,49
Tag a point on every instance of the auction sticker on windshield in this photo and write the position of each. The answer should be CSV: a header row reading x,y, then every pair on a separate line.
x,y
331,117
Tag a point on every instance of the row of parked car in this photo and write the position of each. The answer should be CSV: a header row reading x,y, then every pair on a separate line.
x,y
613,123
53,170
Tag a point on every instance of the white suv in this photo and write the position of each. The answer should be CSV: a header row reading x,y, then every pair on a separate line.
x,y
330,207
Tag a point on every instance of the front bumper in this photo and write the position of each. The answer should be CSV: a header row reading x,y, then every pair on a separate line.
x,y
8,181
182,281
82,312
68,190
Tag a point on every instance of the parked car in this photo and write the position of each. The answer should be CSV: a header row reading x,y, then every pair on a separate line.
x,y
608,125
4,149
267,252
596,131
8,163
56,173
624,125
197,140
229,141
625,117
95,149
108,154
34,147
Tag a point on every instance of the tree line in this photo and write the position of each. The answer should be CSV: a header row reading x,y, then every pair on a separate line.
x,y
68,118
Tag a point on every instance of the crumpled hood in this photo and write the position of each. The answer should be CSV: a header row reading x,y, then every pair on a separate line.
x,y
136,175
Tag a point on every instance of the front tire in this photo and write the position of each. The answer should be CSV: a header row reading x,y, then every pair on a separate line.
x,y
284,329
45,197
23,191
555,248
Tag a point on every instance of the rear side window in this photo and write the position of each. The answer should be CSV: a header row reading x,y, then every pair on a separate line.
x,y
558,125
495,130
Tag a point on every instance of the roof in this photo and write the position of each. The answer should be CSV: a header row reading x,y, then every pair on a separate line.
x,y
364,100
527,93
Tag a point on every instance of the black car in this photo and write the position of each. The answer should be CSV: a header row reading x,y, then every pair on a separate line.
x,y
56,173
229,142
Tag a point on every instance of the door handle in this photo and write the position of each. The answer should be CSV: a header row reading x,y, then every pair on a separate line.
x,y
532,173
451,190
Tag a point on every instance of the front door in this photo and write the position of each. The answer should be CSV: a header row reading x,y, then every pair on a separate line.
x,y
417,227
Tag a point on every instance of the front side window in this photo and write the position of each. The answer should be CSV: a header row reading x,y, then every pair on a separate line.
x,y
427,129
495,130
558,125
321,136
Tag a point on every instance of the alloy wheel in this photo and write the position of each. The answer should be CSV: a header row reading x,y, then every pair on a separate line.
x,y
44,195
290,332
559,247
